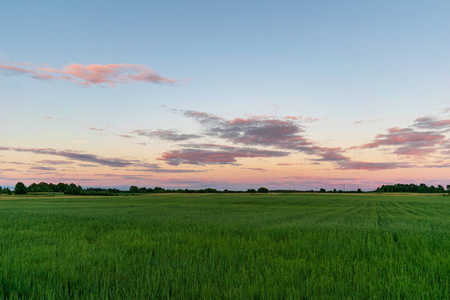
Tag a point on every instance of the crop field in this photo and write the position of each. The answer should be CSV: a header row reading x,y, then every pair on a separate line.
x,y
226,246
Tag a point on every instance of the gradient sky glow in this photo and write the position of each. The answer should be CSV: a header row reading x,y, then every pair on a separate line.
x,y
225,94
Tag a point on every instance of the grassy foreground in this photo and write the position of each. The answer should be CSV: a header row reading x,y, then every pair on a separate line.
x,y
233,246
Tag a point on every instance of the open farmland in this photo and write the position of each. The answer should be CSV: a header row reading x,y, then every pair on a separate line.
x,y
225,246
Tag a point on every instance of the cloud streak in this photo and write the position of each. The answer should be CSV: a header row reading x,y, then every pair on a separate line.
x,y
40,168
432,123
408,141
54,162
215,157
155,168
77,156
371,166
135,165
93,74
168,135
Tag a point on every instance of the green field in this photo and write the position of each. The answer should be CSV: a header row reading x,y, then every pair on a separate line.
x,y
233,246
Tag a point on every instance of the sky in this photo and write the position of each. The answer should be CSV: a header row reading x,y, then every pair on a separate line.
x,y
225,94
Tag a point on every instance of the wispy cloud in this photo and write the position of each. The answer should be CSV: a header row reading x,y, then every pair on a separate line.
x,y
407,141
127,136
74,155
302,118
324,179
54,162
92,161
168,135
214,157
96,129
446,148
256,169
93,74
329,154
40,168
371,166
368,121
13,70
438,166
432,123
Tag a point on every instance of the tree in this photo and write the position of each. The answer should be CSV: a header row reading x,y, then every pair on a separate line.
x,y
263,190
61,187
134,189
73,189
20,189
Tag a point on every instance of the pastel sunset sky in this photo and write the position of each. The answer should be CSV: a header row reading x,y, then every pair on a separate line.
x,y
225,94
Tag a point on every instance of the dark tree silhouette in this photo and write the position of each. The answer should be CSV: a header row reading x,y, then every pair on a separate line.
x,y
20,188
263,190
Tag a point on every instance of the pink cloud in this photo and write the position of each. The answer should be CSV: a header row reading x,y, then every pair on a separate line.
x,y
264,131
361,122
301,118
329,154
287,134
256,169
253,131
126,136
410,142
431,123
96,129
208,157
87,75
12,70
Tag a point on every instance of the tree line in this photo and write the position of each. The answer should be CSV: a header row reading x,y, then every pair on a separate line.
x,y
412,188
73,189
65,188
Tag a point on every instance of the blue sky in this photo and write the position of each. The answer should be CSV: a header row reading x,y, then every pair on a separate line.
x,y
352,70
